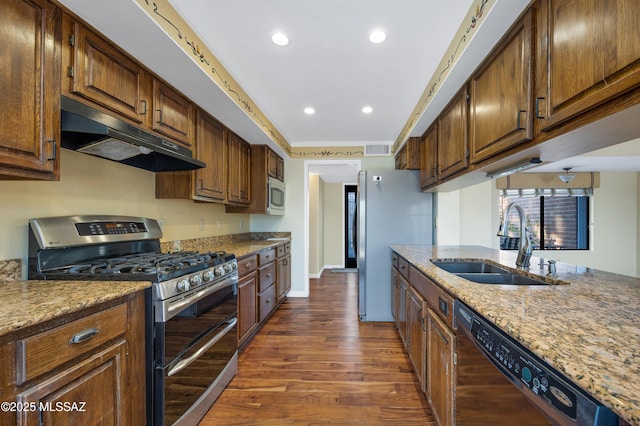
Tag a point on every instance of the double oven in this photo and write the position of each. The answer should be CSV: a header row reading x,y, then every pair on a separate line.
x,y
190,309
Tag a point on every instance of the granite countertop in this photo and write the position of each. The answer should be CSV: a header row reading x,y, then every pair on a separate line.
x,y
239,248
587,329
27,303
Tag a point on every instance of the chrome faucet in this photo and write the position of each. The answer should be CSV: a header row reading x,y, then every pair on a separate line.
x,y
524,252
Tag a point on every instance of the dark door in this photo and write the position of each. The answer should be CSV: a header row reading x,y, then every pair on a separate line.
x,y
350,227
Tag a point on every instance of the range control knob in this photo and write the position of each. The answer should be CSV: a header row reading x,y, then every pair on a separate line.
x,y
208,276
219,271
183,285
227,267
195,280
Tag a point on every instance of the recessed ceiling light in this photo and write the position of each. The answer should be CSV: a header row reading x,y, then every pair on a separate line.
x,y
377,36
367,110
309,110
280,39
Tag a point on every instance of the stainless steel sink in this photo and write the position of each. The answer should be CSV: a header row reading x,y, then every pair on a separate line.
x,y
468,266
506,278
485,273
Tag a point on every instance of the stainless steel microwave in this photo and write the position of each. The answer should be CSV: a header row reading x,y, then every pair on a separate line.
x,y
275,204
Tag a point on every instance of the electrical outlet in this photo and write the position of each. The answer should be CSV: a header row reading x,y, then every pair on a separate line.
x,y
217,223
202,224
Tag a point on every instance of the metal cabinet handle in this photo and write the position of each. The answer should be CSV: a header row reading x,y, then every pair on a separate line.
x,y
537,111
144,111
54,150
159,116
518,123
83,335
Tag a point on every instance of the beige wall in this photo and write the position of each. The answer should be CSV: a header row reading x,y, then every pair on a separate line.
x,y
333,225
90,185
316,226
473,215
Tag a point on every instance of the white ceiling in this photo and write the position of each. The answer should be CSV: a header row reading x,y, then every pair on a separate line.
x,y
329,63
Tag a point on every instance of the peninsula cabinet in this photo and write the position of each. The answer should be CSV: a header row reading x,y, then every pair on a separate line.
x,y
206,184
96,71
453,151
30,33
429,157
417,334
440,369
500,99
588,52
240,171
93,362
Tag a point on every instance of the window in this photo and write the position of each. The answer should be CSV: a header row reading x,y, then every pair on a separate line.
x,y
555,223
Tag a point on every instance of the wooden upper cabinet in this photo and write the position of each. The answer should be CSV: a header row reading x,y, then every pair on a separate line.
x,y
275,165
173,114
501,104
97,71
429,157
408,158
588,52
29,81
211,147
453,152
239,170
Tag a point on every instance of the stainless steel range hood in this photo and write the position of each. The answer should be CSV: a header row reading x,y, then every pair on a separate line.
x,y
94,132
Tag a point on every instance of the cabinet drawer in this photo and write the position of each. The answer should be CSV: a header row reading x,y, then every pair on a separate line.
x,y
438,299
394,259
247,264
267,302
266,256
43,352
267,276
280,251
403,267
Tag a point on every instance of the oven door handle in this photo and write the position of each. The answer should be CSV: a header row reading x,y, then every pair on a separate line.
x,y
186,362
167,311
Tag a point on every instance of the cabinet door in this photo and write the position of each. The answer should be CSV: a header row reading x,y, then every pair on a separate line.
x,y
272,163
284,276
95,386
401,319
211,147
417,334
247,306
589,52
500,106
453,154
440,370
395,289
429,157
239,156
173,115
102,73
29,83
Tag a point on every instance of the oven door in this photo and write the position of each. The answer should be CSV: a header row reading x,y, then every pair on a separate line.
x,y
195,354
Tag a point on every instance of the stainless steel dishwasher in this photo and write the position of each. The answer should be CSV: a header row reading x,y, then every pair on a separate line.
x,y
559,400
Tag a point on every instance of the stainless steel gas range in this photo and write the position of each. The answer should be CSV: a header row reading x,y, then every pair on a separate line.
x,y
191,308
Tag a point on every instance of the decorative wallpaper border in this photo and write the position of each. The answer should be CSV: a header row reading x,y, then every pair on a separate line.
x,y
175,27
463,36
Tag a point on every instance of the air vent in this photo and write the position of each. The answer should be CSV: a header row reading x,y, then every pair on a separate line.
x,y
380,150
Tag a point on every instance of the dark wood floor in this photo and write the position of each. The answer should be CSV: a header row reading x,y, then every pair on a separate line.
x,y
314,363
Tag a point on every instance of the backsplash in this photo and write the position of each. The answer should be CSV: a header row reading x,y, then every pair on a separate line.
x,y
195,243
11,270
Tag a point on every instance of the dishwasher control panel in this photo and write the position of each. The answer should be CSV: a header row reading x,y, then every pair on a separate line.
x,y
528,371
524,368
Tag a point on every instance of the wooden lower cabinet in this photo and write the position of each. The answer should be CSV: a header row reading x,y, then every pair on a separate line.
x,y
440,369
283,274
247,306
98,379
417,334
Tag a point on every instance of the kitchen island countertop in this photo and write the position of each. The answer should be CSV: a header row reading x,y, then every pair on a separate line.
x,y
27,303
587,329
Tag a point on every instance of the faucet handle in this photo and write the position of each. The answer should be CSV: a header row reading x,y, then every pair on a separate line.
x,y
552,268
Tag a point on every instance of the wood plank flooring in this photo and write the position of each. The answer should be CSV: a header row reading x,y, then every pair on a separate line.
x,y
314,363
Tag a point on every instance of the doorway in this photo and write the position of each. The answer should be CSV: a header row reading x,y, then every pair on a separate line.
x,y
350,226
